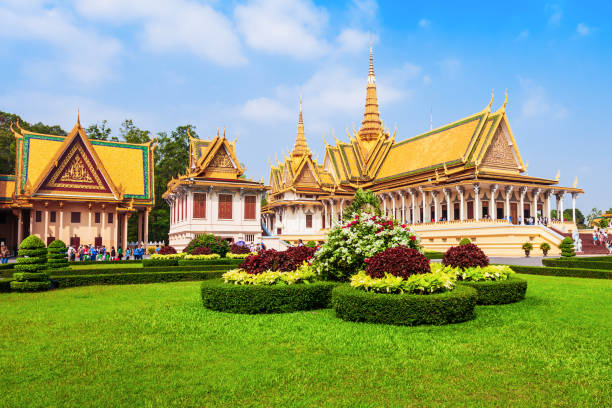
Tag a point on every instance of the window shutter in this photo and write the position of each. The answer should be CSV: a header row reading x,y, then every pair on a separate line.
x,y
225,206
199,205
249,207
308,220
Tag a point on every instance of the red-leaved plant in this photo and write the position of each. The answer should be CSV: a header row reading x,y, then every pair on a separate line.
x,y
239,249
398,261
167,250
272,260
465,256
201,251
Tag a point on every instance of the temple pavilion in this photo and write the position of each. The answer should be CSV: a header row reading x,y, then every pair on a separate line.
x,y
214,196
76,189
469,171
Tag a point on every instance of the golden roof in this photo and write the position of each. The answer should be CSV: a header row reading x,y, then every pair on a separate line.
x,y
126,168
301,147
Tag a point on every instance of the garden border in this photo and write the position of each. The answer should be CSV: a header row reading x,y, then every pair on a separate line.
x,y
253,299
499,292
565,272
404,309
578,263
131,278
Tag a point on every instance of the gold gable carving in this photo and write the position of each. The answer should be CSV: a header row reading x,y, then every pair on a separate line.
x,y
306,177
76,172
499,153
221,161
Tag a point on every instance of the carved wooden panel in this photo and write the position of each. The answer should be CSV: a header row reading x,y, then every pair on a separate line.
x,y
499,153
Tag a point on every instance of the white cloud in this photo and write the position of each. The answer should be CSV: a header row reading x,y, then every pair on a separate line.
x,y
583,30
81,54
363,12
424,23
537,103
287,27
450,66
173,26
555,14
353,41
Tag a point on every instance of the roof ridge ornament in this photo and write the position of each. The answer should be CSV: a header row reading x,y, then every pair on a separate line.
x,y
492,97
503,108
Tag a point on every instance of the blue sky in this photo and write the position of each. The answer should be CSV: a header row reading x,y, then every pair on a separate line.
x,y
243,65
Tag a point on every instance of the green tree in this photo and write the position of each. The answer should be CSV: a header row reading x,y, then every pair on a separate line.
x,y
131,134
567,215
7,138
100,131
363,200
594,214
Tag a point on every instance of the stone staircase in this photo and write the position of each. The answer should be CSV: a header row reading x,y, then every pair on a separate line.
x,y
588,248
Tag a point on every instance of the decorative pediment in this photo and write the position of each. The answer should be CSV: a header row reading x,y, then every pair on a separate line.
x,y
500,153
306,177
76,169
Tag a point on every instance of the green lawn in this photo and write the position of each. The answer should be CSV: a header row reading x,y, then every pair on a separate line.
x,y
107,266
154,345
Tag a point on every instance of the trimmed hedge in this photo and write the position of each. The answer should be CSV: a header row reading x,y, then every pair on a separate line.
x,y
567,272
577,263
5,285
147,263
498,292
29,276
131,278
27,286
434,255
404,309
57,256
7,266
118,271
251,299
218,261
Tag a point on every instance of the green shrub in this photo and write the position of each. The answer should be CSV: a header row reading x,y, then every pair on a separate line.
x,y
151,250
131,278
27,286
217,245
251,299
498,292
118,271
567,247
527,246
311,244
147,263
57,256
7,266
5,285
32,255
202,262
567,272
577,263
404,309
465,241
29,276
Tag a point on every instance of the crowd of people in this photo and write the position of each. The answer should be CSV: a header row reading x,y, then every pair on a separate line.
x,y
601,238
101,253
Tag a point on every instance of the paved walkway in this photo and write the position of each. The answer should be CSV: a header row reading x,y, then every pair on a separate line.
x,y
523,261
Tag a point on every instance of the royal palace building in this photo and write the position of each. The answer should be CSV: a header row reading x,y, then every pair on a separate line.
x,y
214,196
464,179
76,189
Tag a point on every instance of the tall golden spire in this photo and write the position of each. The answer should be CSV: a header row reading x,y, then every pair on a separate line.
x,y
371,125
301,148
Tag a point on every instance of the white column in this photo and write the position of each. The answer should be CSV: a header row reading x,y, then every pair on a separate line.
x,y
461,192
46,232
139,235
477,202
414,214
521,214
534,210
434,196
333,213
61,224
341,209
508,194
493,203
393,204
574,195
548,206
403,194
19,226
324,213
426,218
450,210
561,195
146,226
102,216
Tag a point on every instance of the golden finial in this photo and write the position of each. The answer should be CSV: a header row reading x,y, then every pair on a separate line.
x,y
492,97
217,132
505,100
371,71
575,182
445,169
558,176
437,175
223,132
335,138
324,141
79,117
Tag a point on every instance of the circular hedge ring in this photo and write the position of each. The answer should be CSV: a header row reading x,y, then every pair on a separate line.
x,y
498,292
251,299
404,309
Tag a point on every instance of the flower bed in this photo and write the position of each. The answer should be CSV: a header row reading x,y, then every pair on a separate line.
x,y
357,305
276,298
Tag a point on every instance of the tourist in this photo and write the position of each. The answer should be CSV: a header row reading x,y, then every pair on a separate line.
x,y
4,252
81,253
157,249
119,253
127,254
113,254
263,246
93,252
300,243
594,238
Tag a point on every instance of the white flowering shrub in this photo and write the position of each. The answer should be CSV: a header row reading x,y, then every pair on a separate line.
x,y
349,244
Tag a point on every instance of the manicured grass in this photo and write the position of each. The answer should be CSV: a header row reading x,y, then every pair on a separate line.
x,y
106,265
155,345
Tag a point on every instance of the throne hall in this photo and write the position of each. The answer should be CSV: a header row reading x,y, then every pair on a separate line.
x,y
464,179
